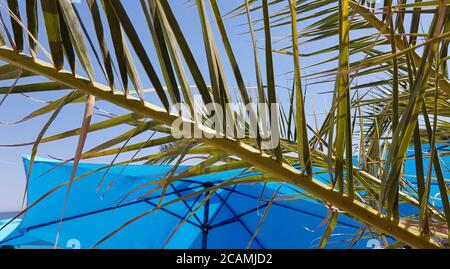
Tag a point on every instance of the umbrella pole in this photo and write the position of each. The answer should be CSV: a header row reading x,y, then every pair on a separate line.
x,y
205,224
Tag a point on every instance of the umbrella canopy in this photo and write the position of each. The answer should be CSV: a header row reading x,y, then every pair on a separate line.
x,y
228,219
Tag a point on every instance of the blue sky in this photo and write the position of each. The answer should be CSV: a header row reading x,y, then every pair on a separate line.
x,y
12,177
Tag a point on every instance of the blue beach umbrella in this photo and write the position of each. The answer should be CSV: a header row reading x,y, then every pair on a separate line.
x,y
228,219
444,161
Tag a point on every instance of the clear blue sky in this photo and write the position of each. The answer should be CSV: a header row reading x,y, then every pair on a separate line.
x,y
12,177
